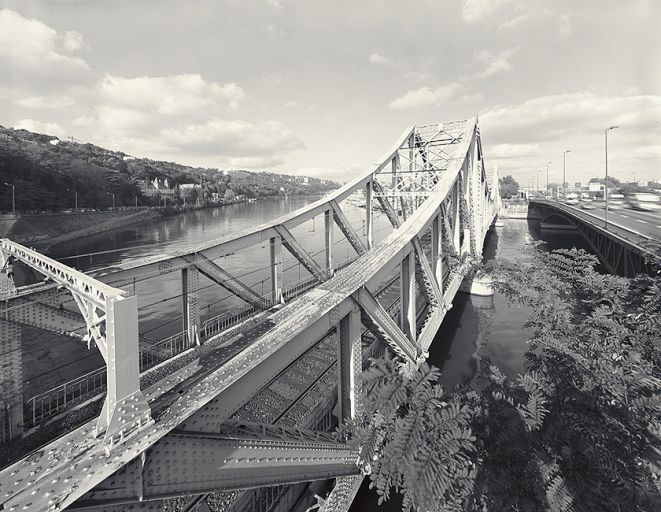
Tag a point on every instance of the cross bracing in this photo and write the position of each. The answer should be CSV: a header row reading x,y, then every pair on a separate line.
x,y
429,182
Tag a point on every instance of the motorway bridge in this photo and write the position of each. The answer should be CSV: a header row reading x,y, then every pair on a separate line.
x,y
247,399
625,241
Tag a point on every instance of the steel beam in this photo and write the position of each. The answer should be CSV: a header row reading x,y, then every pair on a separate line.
x,y
437,251
328,239
347,229
297,250
369,214
275,250
381,324
232,284
407,298
196,463
350,361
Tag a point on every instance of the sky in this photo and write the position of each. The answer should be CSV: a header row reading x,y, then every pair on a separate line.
x,y
325,87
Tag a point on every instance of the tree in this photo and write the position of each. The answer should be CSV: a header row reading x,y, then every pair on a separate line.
x,y
413,438
581,428
508,187
229,195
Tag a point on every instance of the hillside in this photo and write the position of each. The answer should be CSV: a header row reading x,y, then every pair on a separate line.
x,y
46,171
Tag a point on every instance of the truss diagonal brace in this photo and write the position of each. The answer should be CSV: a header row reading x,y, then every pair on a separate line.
x,y
226,280
428,275
297,250
382,325
346,228
385,204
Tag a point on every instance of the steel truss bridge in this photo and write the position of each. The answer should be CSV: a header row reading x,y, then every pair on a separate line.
x,y
177,422
620,249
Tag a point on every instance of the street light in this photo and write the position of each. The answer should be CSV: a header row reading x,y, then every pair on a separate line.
x,y
539,188
564,169
113,200
13,197
606,162
547,176
75,198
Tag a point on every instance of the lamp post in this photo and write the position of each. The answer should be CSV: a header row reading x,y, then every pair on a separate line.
x,y
564,169
547,176
113,200
13,197
75,199
606,165
539,188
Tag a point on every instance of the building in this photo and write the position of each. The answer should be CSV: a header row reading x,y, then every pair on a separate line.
x,y
156,187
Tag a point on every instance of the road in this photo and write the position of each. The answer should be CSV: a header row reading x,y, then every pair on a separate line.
x,y
647,223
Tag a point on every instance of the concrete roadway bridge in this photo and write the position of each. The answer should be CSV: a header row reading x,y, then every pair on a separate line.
x,y
621,248
173,417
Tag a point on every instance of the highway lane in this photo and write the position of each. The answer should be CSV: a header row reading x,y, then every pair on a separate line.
x,y
647,223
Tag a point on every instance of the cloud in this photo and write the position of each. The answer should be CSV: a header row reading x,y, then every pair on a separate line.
x,y
564,30
469,99
169,95
41,127
274,31
475,10
426,96
496,63
552,117
35,57
232,138
514,21
375,58
46,102
253,162
500,151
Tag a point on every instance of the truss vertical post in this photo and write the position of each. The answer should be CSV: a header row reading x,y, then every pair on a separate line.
x,y
369,216
11,380
125,407
437,251
328,238
349,365
190,298
456,218
394,168
407,297
276,269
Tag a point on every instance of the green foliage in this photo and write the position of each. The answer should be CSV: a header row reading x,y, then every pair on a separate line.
x,y
508,187
581,428
416,440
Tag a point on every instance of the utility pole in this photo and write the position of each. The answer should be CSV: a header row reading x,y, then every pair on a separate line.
x,y
564,168
606,162
113,200
75,192
13,197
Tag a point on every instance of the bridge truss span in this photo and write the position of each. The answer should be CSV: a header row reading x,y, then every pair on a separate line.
x,y
439,201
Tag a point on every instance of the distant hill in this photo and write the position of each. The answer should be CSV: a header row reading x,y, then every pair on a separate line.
x,y
46,171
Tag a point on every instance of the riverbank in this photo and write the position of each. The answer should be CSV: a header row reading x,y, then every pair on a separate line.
x,y
43,230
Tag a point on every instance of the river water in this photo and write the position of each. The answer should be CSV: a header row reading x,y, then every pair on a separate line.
x,y
474,327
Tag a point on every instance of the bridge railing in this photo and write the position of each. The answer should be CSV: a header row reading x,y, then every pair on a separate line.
x,y
44,405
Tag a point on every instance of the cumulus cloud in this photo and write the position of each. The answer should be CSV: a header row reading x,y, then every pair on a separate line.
x,y
34,56
426,96
41,127
376,58
496,63
233,138
475,10
169,95
551,117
